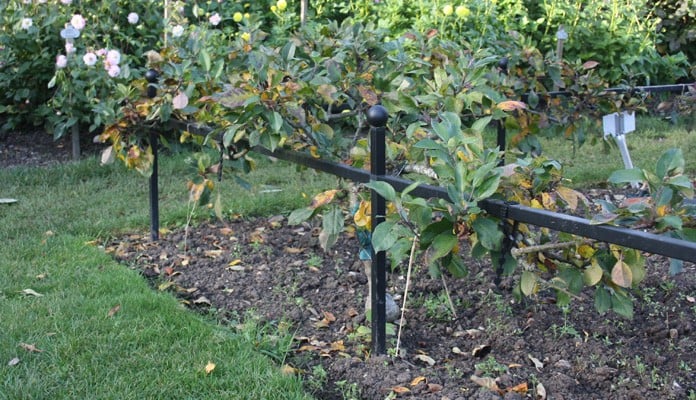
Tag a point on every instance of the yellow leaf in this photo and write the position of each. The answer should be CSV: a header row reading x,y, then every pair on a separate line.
x,y
209,368
235,262
528,283
536,204
662,210
621,274
417,380
288,370
593,274
314,151
548,201
323,198
586,251
510,105
570,196
362,217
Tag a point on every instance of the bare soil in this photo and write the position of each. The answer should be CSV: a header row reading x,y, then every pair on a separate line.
x,y
490,346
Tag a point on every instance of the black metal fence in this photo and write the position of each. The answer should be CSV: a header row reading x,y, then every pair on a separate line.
x,y
377,117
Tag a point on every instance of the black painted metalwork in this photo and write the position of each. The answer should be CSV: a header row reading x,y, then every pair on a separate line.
x,y
377,118
151,76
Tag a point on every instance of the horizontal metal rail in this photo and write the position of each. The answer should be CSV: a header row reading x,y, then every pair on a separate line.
x,y
644,241
676,88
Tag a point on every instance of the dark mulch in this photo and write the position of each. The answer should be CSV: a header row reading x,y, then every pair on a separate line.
x,y
278,273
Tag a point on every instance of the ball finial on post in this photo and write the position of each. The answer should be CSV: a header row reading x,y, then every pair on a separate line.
x,y
377,116
151,77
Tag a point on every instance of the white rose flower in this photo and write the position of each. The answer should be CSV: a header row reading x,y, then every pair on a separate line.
x,y
177,31
215,19
90,59
27,23
78,22
61,61
133,18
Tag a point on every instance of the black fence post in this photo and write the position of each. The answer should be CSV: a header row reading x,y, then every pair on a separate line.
x,y
377,118
151,76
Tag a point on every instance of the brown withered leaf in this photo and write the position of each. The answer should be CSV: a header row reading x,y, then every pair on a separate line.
x,y
368,95
113,310
434,387
30,348
487,382
400,390
293,250
417,380
522,388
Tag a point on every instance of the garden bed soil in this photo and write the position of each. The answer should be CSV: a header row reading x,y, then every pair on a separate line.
x,y
265,269
277,274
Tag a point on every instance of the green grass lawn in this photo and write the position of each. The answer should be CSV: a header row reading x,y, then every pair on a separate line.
x,y
57,290
591,164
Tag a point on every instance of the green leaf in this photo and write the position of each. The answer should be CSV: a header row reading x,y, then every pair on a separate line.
x,y
671,161
204,59
488,232
487,188
333,220
634,175
456,266
481,124
300,215
433,230
384,237
602,301
528,282
276,121
675,266
622,305
441,246
383,189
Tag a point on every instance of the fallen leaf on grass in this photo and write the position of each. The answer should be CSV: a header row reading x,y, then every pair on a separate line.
x,y
13,362
113,310
209,368
30,348
31,292
288,370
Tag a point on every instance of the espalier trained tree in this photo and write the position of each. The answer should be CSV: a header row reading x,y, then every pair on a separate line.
x,y
309,93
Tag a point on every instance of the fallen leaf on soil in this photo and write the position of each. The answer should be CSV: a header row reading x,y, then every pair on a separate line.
x,y
213,253
540,391
288,370
488,383
293,250
514,365
202,300
456,350
31,292
13,362
30,348
338,346
328,318
164,286
426,359
352,312
522,388
481,350
209,368
690,299
226,231
537,364
400,389
417,380
113,310
434,387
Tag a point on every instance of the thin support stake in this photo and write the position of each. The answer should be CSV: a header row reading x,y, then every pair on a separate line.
x,y
154,189
377,117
